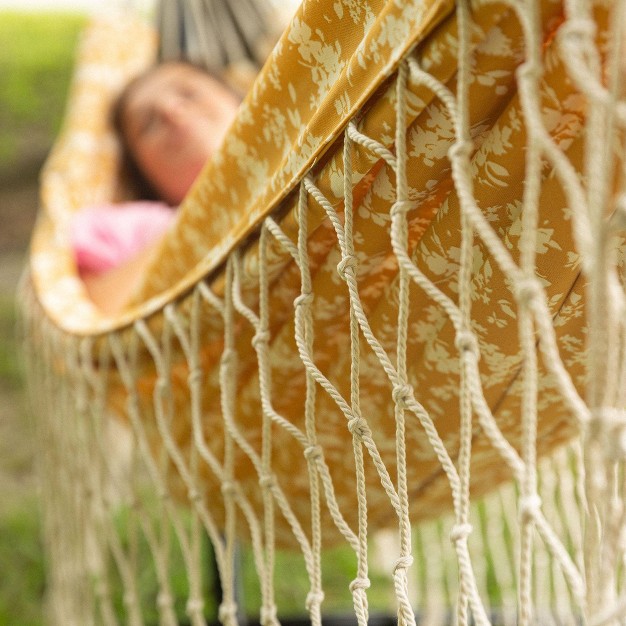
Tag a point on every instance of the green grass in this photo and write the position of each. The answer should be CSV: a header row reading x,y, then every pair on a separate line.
x,y
10,373
35,68
291,583
22,577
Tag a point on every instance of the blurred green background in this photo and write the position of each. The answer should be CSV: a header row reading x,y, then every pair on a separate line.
x,y
36,59
35,69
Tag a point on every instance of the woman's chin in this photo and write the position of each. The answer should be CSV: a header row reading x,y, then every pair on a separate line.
x,y
174,180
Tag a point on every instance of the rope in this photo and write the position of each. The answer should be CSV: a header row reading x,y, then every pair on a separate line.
x,y
555,539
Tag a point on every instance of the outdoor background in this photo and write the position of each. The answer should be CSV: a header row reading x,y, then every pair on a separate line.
x,y
35,65
36,59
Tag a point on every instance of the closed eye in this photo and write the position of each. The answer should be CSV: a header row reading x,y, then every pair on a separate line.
x,y
188,93
147,121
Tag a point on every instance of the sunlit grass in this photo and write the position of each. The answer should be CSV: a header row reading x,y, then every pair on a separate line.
x,y
35,68
9,367
22,584
36,59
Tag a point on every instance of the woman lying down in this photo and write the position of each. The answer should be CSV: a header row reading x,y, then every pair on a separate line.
x,y
170,120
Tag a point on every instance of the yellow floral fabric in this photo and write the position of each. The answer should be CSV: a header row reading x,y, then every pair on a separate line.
x,y
337,59
83,167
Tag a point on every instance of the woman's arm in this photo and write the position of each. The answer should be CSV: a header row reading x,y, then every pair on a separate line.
x,y
111,290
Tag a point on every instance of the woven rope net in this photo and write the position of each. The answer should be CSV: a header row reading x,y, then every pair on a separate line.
x,y
436,309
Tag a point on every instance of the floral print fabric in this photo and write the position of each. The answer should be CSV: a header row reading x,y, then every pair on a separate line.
x,y
338,61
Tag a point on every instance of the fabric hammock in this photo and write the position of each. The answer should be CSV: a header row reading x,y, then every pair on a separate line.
x,y
388,256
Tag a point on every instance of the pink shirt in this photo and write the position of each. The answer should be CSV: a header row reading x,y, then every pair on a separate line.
x,y
104,236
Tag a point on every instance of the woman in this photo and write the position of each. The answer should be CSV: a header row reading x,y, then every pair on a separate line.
x,y
170,120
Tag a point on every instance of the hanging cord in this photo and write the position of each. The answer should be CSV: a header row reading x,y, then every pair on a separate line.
x,y
231,39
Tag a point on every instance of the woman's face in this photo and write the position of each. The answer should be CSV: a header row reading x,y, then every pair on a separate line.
x,y
174,119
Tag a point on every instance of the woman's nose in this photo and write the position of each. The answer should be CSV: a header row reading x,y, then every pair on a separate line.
x,y
172,108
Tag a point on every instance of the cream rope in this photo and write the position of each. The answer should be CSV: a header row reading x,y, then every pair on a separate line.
x,y
554,541
465,342
347,269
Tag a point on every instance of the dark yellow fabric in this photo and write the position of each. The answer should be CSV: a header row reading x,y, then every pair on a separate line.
x,y
335,58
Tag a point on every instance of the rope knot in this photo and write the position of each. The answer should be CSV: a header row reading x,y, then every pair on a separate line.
x,y
359,584
460,532
528,71
609,424
530,506
194,495
313,453
527,290
348,261
607,417
227,488
266,481
164,600
268,615
304,299
195,376
314,598
401,207
261,337
101,589
402,395
577,28
618,219
402,564
194,606
132,403
460,149
82,404
465,341
228,356
128,600
227,613
357,426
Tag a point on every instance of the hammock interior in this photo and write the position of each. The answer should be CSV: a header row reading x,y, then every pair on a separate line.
x,y
398,285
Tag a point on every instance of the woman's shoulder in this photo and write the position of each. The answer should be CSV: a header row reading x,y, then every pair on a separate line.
x,y
105,235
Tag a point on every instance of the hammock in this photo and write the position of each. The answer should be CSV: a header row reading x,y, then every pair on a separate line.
x,y
397,285
228,39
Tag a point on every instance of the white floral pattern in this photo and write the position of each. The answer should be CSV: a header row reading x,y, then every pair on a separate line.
x,y
321,73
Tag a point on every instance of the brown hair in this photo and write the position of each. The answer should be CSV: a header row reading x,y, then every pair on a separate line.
x,y
131,175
